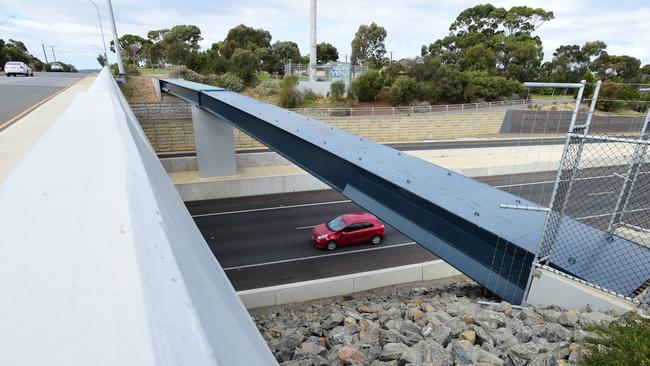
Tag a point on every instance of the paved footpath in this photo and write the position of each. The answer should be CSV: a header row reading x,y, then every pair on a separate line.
x,y
18,138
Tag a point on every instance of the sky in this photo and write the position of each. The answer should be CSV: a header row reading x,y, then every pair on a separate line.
x,y
72,26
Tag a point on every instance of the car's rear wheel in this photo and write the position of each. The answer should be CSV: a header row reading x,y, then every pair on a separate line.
x,y
376,240
331,245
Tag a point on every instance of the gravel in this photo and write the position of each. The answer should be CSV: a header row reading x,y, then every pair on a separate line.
x,y
424,326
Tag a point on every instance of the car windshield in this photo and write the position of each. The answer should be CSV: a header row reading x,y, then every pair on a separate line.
x,y
336,224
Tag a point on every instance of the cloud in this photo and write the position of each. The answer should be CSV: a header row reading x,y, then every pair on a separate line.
x,y
72,26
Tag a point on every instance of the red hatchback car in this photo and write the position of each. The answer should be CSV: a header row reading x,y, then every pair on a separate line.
x,y
348,229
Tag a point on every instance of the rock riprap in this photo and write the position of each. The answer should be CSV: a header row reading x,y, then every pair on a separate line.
x,y
424,326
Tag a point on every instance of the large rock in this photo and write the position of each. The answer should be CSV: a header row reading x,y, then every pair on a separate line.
x,y
487,358
463,353
557,333
433,353
393,351
441,334
350,355
369,332
286,346
521,354
410,356
340,335
313,348
595,317
389,336
333,320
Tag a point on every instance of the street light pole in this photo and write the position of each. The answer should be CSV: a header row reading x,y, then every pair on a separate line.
x,y
116,39
102,30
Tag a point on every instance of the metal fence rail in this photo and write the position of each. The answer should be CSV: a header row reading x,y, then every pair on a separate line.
x,y
408,110
603,183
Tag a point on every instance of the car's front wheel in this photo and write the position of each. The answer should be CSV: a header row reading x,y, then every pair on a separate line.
x,y
376,240
331,245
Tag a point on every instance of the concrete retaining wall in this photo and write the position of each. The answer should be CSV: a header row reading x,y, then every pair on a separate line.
x,y
553,122
344,285
177,135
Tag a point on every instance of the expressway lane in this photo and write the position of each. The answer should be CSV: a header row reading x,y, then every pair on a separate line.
x,y
18,94
265,240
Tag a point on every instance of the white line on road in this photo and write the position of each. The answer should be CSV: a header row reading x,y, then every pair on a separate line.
x,y
319,256
600,193
305,227
272,208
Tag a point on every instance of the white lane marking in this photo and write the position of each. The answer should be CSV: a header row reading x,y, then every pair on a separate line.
x,y
305,227
347,201
272,208
599,193
609,214
319,256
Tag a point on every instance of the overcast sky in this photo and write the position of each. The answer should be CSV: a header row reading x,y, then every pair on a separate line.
x,y
72,25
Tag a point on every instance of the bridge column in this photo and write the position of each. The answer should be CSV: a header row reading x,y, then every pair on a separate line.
x,y
215,144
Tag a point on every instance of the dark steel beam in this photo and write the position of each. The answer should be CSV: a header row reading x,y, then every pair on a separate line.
x,y
456,218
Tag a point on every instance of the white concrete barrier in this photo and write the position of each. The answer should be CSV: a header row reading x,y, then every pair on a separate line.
x,y
347,284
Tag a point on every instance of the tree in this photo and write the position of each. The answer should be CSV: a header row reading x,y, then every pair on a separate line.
x,y
247,38
366,87
404,90
499,40
368,45
133,48
624,68
245,64
570,62
325,53
179,42
281,54
155,50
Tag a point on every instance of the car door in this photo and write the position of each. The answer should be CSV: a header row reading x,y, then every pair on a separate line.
x,y
352,234
366,232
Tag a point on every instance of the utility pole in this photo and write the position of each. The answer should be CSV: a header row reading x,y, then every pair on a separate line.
x,y
45,54
312,54
101,28
116,39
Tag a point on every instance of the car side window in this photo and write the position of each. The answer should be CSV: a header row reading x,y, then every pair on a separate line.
x,y
352,227
358,226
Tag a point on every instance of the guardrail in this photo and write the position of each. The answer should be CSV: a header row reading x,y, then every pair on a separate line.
x,y
408,110
106,266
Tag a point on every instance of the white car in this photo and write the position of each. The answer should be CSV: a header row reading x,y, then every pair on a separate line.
x,y
56,67
18,68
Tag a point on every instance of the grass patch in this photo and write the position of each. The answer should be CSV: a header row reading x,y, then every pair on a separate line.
x,y
619,343
263,75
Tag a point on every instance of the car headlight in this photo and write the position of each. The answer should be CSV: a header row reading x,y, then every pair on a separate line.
x,y
322,237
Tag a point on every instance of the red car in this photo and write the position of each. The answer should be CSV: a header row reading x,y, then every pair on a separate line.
x,y
348,229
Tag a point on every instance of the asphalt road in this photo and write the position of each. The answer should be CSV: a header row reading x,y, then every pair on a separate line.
x,y
19,93
265,240
435,145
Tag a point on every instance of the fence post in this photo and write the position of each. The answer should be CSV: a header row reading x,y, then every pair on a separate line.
x,y
393,111
373,111
462,107
447,107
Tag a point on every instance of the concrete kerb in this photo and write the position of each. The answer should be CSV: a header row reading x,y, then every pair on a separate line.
x,y
345,285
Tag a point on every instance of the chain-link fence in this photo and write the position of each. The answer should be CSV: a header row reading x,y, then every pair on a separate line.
x,y
598,228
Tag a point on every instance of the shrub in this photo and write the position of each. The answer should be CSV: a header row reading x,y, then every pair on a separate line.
x,y
619,343
245,64
182,72
267,88
367,86
613,97
290,97
428,91
227,81
404,90
310,95
337,90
